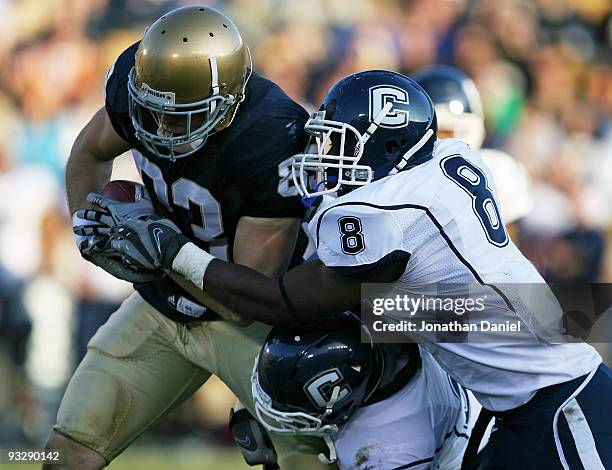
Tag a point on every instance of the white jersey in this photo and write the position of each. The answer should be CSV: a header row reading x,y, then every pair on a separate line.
x,y
443,214
512,183
425,425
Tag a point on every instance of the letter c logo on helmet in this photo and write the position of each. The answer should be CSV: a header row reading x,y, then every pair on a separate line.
x,y
325,382
381,95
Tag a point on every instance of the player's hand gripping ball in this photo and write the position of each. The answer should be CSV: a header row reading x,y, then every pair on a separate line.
x,y
119,202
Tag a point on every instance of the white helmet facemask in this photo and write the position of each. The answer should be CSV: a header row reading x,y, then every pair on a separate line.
x,y
294,422
339,148
335,162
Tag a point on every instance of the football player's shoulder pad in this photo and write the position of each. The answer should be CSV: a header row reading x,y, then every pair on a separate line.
x,y
357,234
268,128
116,93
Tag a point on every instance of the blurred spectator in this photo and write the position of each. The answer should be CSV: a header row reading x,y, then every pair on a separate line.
x,y
15,328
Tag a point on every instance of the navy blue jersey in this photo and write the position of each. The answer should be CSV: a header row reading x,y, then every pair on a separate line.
x,y
239,172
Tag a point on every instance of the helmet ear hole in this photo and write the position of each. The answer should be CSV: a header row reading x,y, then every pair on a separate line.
x,y
392,148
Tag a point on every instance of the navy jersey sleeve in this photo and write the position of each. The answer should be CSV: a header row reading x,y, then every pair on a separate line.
x,y
264,179
116,94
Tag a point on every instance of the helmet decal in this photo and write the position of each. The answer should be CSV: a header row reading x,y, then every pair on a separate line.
x,y
321,386
160,98
214,72
381,95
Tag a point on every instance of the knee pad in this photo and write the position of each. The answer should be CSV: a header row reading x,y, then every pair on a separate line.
x,y
251,437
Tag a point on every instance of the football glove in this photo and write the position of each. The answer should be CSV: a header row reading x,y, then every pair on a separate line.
x,y
96,249
151,241
113,212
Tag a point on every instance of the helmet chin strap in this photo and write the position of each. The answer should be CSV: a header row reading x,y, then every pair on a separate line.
x,y
376,123
411,151
329,409
182,148
332,452
190,146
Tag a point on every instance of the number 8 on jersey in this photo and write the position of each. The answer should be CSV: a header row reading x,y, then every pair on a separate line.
x,y
352,238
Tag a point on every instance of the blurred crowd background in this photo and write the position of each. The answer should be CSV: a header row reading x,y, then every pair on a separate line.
x,y
543,68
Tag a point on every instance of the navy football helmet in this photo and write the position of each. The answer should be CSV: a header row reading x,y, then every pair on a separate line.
x,y
309,379
371,124
457,103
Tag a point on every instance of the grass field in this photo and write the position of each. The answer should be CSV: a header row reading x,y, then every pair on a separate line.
x,y
180,458
168,458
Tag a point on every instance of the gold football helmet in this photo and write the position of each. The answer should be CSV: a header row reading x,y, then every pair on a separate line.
x,y
190,75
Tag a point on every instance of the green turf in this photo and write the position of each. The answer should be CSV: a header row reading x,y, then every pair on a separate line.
x,y
168,458
179,458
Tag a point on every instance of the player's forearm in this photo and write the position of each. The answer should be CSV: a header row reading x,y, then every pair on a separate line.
x,y
205,299
188,267
85,173
249,292
237,288
91,159
307,292
264,245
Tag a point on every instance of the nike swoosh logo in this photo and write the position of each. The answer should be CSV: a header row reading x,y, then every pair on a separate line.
x,y
246,442
156,235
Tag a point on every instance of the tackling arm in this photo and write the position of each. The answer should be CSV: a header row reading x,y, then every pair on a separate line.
x,y
263,244
303,294
312,291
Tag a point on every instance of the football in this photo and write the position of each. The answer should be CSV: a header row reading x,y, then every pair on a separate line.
x,y
121,190
125,191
